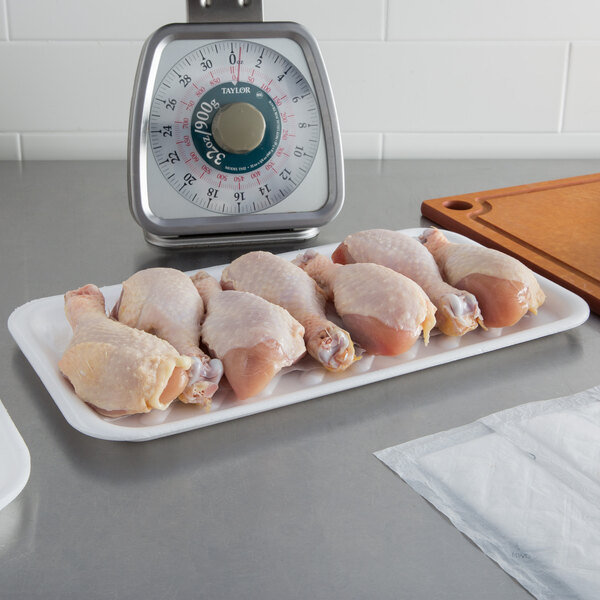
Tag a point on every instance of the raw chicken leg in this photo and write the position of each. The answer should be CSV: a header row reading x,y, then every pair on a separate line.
x,y
457,310
279,281
254,338
505,288
384,311
164,302
117,369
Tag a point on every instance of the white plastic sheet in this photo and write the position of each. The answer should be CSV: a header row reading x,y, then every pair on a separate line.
x,y
524,485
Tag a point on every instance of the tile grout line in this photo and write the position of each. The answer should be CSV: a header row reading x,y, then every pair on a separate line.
x,y
5,11
385,39
386,20
373,40
565,83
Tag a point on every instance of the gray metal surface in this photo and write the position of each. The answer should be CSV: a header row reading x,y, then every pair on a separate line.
x,y
288,504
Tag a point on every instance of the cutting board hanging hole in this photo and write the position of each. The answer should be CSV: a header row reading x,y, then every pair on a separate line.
x,y
458,205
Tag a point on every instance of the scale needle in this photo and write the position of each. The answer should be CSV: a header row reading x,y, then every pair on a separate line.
x,y
239,64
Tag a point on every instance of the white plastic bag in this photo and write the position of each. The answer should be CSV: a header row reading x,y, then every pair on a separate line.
x,y
524,485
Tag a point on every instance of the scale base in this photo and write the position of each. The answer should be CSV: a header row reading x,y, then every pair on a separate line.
x,y
219,240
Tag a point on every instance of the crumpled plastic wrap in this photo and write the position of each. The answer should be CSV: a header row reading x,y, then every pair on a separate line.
x,y
524,485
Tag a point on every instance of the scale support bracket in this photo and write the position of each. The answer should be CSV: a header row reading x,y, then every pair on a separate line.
x,y
224,11
219,240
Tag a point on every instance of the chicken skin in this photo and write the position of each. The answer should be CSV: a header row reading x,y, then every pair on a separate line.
x,y
115,368
457,310
280,282
504,287
384,311
254,338
165,302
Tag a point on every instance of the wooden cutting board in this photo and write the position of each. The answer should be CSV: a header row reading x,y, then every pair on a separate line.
x,y
552,226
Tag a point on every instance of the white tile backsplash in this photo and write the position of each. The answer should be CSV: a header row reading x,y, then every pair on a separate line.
x,y
458,87
539,20
9,146
491,145
362,145
411,79
332,19
77,20
73,145
85,20
67,86
582,103
3,21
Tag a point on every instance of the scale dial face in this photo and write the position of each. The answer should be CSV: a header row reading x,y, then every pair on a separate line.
x,y
233,133
234,127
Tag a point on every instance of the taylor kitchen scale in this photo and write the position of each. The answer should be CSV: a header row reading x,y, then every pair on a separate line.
x,y
233,135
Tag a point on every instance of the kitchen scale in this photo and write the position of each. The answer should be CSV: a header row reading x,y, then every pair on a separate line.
x,y
233,135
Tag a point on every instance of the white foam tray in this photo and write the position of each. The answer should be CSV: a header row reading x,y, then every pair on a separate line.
x,y
42,332
15,462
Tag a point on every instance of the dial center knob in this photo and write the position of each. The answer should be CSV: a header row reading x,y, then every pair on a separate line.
x,y
238,127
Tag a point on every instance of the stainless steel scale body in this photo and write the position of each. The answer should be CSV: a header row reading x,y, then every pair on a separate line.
x,y
233,132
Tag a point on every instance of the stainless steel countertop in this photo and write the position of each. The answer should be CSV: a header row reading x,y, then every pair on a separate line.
x,y
287,504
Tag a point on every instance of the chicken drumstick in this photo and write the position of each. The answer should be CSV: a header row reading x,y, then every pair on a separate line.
x,y
384,311
504,287
117,369
164,302
254,338
279,281
457,310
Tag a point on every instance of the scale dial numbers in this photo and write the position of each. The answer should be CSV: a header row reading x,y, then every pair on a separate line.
x,y
234,127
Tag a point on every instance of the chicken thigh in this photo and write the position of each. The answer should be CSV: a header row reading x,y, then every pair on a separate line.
x,y
165,302
504,287
457,310
280,282
384,311
117,369
254,338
